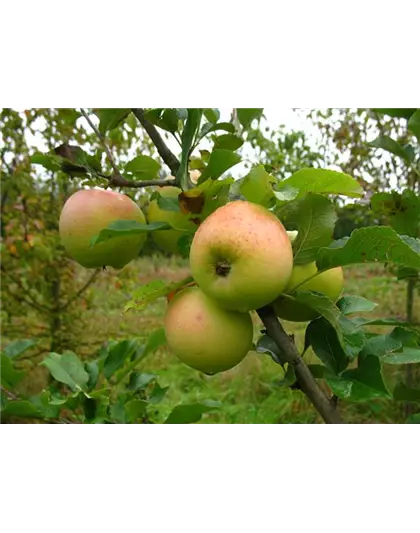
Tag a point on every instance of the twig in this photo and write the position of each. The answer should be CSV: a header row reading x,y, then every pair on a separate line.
x,y
117,179
79,292
32,302
304,376
169,158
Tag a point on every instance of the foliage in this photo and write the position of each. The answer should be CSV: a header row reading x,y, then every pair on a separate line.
x,y
109,389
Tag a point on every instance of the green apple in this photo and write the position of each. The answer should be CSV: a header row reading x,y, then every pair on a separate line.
x,y
241,256
204,336
85,214
167,240
330,283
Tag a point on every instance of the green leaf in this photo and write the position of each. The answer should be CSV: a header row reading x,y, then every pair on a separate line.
x,y
228,142
220,161
351,337
257,187
407,356
134,409
396,112
370,245
167,203
355,304
362,321
117,412
139,381
188,414
109,119
67,368
154,341
170,119
124,228
414,124
323,181
48,161
10,377
402,393
118,355
267,345
402,210
314,216
208,127
92,369
247,115
289,377
413,419
212,115
323,338
187,140
157,394
361,384
16,348
143,167
20,408
385,142
147,293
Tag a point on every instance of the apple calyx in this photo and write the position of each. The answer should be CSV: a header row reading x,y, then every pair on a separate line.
x,y
223,268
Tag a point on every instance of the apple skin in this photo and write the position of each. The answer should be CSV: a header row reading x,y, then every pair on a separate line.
x,y
85,214
241,256
172,294
167,240
330,283
204,336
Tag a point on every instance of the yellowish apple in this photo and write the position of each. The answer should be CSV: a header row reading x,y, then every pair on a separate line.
x,y
167,240
330,283
204,336
241,256
85,214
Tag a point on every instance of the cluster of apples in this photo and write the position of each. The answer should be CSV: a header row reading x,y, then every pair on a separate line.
x,y
241,259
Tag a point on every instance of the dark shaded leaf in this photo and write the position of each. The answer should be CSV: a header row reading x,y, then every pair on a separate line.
x,y
118,355
157,394
139,381
92,369
20,408
267,345
389,145
396,112
212,115
228,142
109,119
414,124
324,341
402,210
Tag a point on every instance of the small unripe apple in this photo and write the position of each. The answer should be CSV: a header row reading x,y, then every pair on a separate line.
x,y
167,240
204,336
241,256
330,283
89,211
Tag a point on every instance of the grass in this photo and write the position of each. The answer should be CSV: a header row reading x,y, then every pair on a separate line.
x,y
250,392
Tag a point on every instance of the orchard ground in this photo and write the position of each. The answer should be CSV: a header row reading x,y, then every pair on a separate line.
x,y
249,393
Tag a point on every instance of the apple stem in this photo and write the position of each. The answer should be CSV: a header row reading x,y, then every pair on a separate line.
x,y
308,384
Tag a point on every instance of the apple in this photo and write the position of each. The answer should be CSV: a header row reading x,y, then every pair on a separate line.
x,y
329,283
204,336
85,214
167,240
241,256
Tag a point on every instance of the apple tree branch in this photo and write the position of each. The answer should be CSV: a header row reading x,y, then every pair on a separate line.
x,y
117,179
326,408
